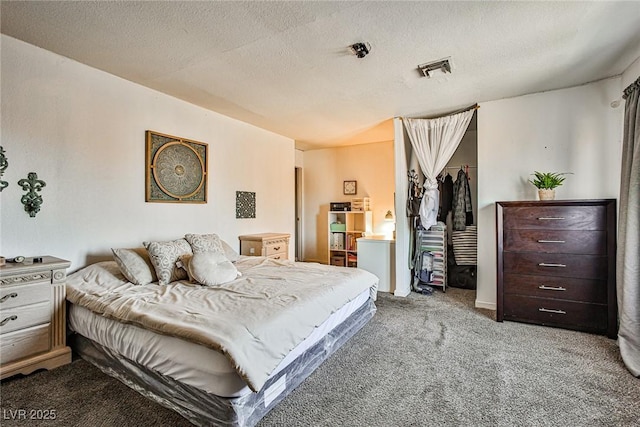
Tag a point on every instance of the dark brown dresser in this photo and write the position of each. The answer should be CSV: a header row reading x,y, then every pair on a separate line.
x,y
556,264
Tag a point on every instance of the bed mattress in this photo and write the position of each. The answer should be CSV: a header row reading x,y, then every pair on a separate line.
x,y
184,361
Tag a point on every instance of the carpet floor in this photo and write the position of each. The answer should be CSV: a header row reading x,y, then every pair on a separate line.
x,y
421,361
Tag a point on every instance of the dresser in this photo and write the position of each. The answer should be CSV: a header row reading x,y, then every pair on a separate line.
x,y
32,316
272,245
556,264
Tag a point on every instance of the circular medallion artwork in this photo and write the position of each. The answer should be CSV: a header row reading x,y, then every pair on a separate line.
x,y
178,170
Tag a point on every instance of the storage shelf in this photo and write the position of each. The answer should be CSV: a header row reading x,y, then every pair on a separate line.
x,y
343,244
434,240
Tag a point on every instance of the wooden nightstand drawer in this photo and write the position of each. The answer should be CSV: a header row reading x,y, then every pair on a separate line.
x,y
21,295
276,248
554,312
556,241
24,316
556,217
560,265
584,290
24,343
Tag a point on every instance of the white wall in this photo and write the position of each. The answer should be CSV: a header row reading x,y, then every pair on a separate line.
x,y
371,165
631,74
570,130
82,131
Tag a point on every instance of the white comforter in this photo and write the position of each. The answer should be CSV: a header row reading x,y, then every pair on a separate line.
x,y
255,321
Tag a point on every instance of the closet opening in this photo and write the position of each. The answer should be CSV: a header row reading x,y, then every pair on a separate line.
x,y
458,186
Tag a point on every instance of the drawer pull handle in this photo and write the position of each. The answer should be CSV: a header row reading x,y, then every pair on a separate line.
x,y
551,241
6,297
552,288
544,264
550,218
276,248
548,310
8,319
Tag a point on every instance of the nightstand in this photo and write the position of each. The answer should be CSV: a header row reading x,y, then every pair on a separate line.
x,y
272,245
32,316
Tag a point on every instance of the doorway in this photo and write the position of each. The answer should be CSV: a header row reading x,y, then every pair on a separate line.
x,y
297,238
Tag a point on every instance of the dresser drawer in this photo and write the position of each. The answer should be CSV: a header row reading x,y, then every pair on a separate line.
x,y
275,248
555,312
556,241
279,255
582,290
24,316
556,217
560,265
15,296
24,343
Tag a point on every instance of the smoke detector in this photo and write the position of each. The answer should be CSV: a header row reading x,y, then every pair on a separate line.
x,y
360,49
441,65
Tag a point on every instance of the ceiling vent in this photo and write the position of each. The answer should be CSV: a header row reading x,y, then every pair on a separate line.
x,y
442,65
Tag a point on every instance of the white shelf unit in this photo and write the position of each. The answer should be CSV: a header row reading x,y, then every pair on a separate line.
x,y
345,228
434,240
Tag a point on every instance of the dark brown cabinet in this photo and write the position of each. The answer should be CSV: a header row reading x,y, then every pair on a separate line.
x,y
556,264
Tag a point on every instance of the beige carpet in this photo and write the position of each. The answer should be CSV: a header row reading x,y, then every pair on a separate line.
x,y
422,361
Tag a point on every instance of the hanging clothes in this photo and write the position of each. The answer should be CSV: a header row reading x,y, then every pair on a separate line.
x,y
446,197
462,209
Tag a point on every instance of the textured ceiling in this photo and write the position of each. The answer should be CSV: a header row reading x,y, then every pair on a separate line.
x,y
286,66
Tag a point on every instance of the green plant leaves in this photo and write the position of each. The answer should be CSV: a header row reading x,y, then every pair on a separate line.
x,y
548,180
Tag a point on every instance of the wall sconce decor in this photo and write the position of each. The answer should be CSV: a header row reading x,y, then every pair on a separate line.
x,y
32,200
388,216
4,164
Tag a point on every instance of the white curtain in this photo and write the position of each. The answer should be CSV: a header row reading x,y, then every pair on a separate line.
x,y
628,256
434,141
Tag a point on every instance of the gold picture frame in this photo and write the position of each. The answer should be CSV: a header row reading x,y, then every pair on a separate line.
x,y
176,169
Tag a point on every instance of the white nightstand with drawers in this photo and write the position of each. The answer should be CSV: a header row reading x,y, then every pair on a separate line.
x,y
32,316
272,245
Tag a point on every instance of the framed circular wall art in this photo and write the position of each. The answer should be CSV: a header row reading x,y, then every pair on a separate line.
x,y
176,169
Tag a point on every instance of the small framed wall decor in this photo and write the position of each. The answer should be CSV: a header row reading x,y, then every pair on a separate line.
x,y
350,187
176,169
245,204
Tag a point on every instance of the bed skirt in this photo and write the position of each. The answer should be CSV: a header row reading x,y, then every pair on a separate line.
x,y
205,409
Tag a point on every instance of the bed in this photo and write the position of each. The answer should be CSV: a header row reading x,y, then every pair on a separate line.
x,y
223,354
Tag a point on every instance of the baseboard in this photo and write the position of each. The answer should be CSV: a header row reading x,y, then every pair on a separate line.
x,y
487,305
401,292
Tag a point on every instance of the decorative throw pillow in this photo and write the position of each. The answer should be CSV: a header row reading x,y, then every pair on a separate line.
x,y
204,243
164,256
229,252
135,265
210,268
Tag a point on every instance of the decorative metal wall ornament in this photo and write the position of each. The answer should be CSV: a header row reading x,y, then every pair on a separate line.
x,y
4,164
176,169
32,200
245,204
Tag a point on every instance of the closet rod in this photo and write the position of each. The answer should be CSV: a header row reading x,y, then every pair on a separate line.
x,y
461,167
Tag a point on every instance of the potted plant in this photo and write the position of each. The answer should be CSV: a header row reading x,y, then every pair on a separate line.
x,y
546,182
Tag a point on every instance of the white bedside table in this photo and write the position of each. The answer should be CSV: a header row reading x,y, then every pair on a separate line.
x,y
378,256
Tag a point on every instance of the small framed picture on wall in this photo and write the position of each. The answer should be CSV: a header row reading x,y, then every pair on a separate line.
x,y
350,187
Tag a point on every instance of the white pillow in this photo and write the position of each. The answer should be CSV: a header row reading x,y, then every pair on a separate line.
x,y
209,268
204,243
135,265
164,256
229,252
